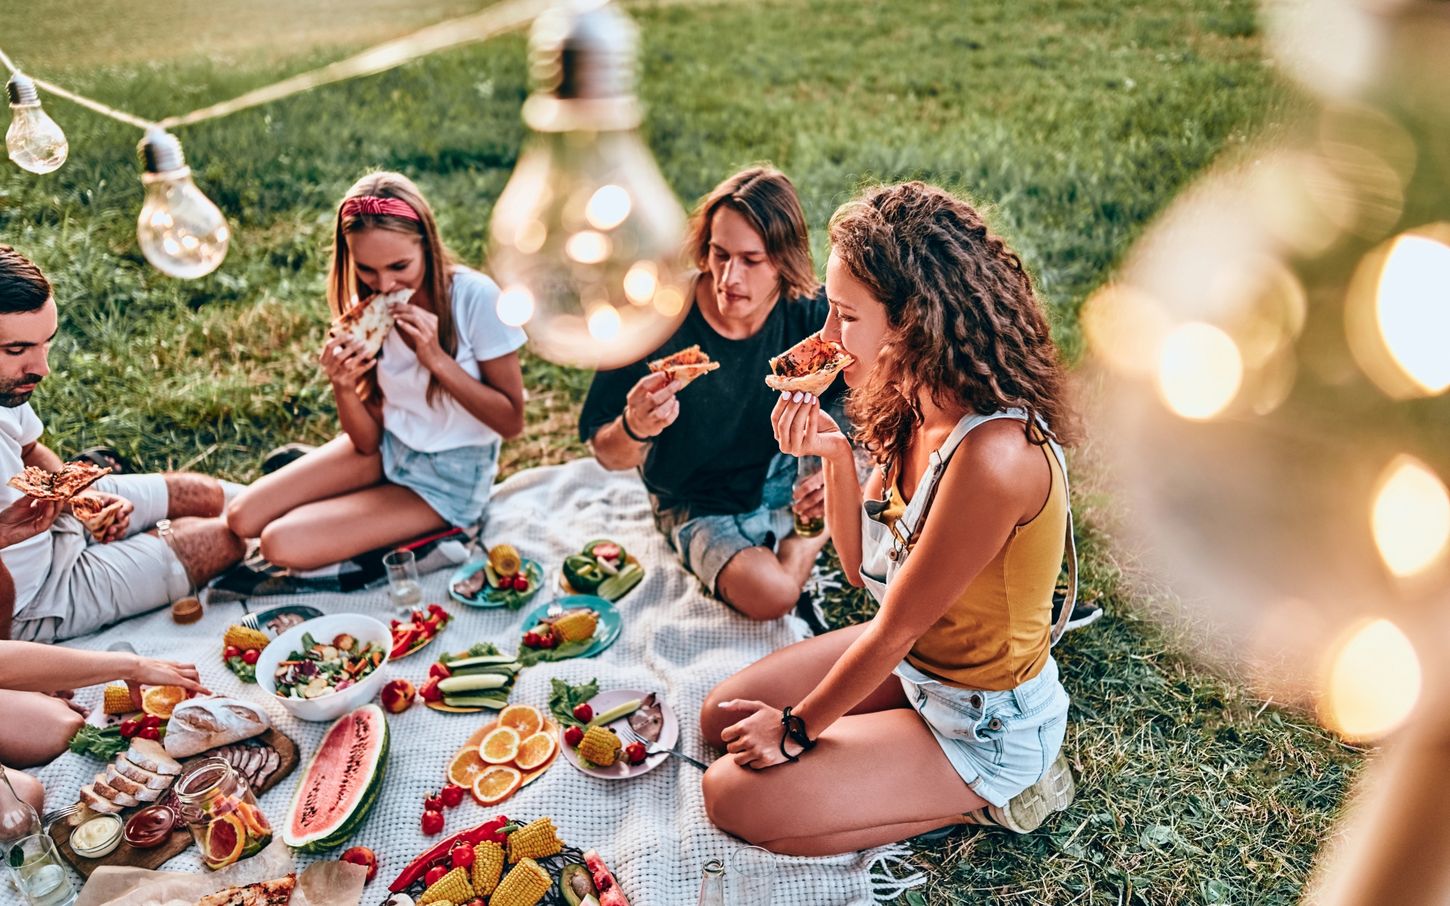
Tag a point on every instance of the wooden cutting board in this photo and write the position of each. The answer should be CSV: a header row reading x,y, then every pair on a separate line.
x,y
131,857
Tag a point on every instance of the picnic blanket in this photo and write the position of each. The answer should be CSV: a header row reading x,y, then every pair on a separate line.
x,y
652,830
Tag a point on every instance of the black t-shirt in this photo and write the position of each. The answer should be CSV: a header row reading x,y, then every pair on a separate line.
x,y
714,458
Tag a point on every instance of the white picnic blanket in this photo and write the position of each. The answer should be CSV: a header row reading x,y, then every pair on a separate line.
x,y
652,830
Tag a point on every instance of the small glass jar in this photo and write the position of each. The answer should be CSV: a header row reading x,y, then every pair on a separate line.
x,y
218,805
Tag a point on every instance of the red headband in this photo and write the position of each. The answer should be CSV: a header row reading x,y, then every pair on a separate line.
x,y
372,204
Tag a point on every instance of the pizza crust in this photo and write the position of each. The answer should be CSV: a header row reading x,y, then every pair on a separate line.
x,y
72,478
824,358
684,366
369,322
263,893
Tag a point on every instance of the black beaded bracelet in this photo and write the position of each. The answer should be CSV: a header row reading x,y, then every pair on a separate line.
x,y
629,432
794,728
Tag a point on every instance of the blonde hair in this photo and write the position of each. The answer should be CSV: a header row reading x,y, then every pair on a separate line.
x,y
342,284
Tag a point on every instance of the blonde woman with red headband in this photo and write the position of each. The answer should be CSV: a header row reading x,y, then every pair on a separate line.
x,y
422,419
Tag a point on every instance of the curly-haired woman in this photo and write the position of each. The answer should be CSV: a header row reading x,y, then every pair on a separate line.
x,y
946,707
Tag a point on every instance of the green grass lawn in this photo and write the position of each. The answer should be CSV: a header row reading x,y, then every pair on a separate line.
x,y
1074,122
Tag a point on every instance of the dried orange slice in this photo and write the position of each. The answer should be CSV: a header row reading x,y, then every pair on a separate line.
x,y
501,746
535,750
158,701
465,767
496,784
524,718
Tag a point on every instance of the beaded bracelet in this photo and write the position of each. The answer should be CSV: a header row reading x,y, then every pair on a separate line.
x,y
794,728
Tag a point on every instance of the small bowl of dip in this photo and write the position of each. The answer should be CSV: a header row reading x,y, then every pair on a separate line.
x,y
150,827
97,837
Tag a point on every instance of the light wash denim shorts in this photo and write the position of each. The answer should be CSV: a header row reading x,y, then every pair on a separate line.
x,y
455,483
999,742
707,543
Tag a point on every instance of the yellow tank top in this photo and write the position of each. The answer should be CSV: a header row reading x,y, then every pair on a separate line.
x,y
996,636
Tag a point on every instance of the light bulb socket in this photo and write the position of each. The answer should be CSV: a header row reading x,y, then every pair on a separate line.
x,y
584,50
21,91
161,152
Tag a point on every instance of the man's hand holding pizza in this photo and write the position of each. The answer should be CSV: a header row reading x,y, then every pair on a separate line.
x,y
105,516
27,517
651,405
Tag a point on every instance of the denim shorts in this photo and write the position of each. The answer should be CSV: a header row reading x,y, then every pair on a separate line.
x,y
455,483
706,544
1000,743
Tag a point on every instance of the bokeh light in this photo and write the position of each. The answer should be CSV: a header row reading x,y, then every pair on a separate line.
x,y
1373,681
1410,517
1200,370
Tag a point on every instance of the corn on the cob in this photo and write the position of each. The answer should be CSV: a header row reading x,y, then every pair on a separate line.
x,y
525,885
534,840
244,638
599,746
117,700
452,887
577,626
487,867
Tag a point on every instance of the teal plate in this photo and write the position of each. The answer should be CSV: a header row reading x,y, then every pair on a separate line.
x,y
610,622
491,597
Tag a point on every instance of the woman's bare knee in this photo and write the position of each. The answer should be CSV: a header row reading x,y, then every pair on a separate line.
x,y
244,516
282,545
761,594
28,788
50,723
732,802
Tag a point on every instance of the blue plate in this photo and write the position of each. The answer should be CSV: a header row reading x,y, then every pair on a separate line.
x,y
492,597
610,622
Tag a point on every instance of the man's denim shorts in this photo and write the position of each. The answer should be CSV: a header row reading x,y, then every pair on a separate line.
x,y
1000,743
706,543
455,483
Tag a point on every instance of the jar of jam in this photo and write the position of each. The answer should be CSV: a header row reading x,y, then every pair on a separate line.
x,y
218,806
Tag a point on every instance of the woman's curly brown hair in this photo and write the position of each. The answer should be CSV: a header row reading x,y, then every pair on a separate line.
x,y
963,322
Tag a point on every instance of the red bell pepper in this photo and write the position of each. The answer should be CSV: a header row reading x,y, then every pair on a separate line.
x,y
489,830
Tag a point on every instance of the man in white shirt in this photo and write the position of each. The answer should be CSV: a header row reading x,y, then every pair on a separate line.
x,y
65,581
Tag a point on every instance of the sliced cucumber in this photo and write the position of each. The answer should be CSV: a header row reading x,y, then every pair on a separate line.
x,y
614,588
473,682
621,710
476,701
508,669
480,660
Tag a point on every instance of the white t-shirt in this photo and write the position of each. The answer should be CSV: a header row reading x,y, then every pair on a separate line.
x,y
445,425
28,561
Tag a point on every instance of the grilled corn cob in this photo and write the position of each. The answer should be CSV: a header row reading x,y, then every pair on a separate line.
x,y
452,887
244,638
117,700
577,626
487,867
599,746
524,885
534,840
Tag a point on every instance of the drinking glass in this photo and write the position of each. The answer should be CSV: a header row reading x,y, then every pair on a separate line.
x,y
754,868
807,527
403,587
37,870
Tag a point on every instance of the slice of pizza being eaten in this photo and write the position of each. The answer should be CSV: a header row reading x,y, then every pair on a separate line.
x,y
72,478
94,513
808,366
263,893
686,365
369,322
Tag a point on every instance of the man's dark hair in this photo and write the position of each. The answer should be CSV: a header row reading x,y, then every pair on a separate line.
x,y
22,286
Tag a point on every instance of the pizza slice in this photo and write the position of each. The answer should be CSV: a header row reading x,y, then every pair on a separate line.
x,y
263,893
72,478
686,365
808,366
370,321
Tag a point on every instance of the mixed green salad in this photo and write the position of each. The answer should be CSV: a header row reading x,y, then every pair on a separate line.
x,y
321,668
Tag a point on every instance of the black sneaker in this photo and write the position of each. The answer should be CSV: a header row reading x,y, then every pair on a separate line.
x,y
1083,614
106,458
809,610
284,455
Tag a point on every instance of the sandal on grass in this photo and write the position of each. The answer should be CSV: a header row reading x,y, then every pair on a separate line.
x,y
106,458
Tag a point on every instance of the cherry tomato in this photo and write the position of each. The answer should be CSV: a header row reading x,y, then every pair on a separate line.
x,y
151,720
573,736
452,795
583,713
433,802
461,856
231,651
251,655
531,639
433,825
521,582
129,728
549,639
152,733
436,872
440,670
635,753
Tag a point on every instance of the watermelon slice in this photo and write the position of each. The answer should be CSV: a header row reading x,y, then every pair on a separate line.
x,y
609,892
341,783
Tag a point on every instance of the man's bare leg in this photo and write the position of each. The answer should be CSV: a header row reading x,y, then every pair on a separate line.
x,y
764,585
206,547
193,494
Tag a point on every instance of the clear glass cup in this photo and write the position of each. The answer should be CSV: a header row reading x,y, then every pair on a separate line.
x,y
17,818
38,872
403,587
754,869
807,527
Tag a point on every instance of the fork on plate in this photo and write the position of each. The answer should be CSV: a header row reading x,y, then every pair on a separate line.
x,y
654,748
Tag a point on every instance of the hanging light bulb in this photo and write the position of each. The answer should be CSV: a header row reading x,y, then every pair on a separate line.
x,y
587,237
33,140
180,231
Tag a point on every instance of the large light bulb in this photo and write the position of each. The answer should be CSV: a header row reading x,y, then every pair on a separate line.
x,y
33,140
180,231
586,238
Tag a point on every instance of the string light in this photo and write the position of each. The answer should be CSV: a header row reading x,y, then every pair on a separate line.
x,y
33,141
586,237
180,231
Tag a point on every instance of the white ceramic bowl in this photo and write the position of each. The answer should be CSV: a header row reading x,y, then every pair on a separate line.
x,y
325,629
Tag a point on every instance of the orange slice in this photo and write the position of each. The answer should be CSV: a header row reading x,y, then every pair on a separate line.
x,y
159,701
535,750
465,767
501,746
496,784
524,718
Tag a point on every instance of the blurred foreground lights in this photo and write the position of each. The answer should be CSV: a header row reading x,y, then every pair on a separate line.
x,y
607,207
180,231
1403,346
641,281
604,324
33,141
515,306
1200,371
1125,328
1373,681
1410,517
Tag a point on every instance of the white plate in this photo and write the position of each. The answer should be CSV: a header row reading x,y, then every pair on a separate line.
x,y
621,769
